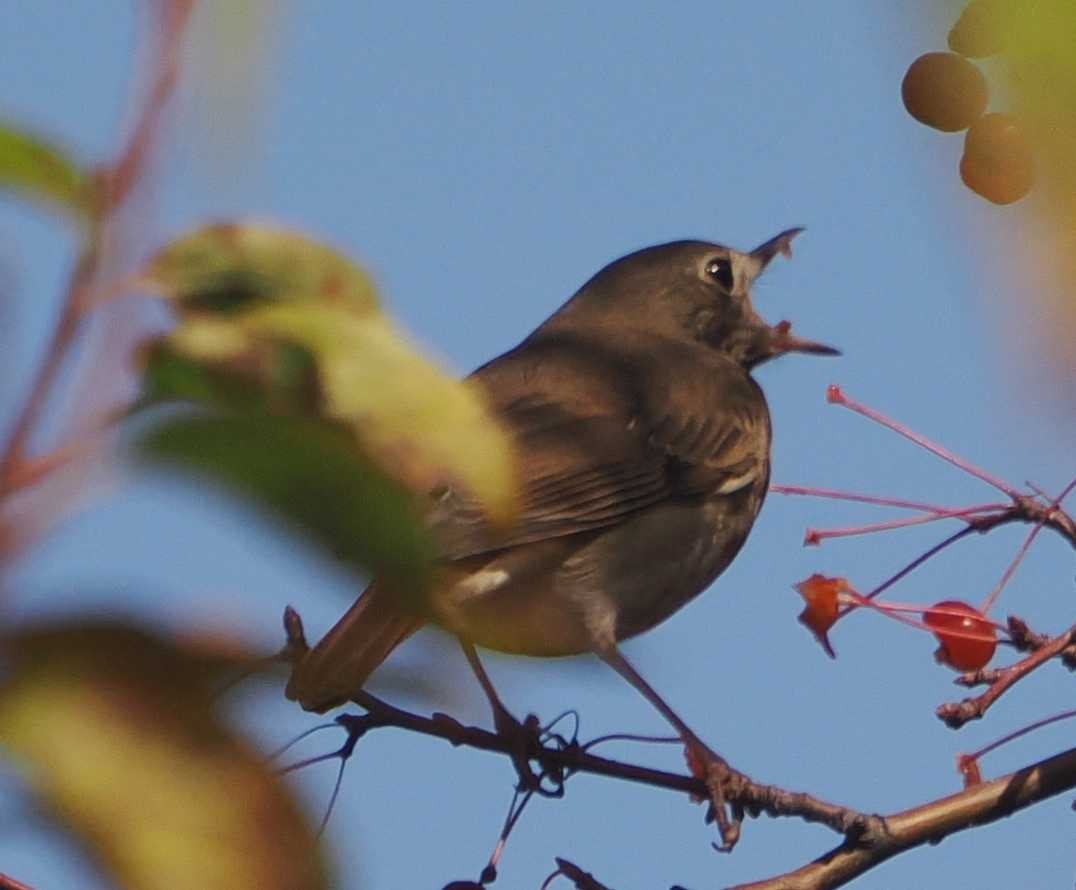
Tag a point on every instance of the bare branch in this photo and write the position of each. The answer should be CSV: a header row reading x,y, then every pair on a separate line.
x,y
931,822
559,761
957,714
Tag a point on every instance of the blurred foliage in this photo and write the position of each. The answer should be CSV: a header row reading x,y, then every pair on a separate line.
x,y
42,172
1039,63
298,323
310,475
1033,68
123,748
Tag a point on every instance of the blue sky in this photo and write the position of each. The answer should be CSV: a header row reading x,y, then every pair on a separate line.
x,y
484,160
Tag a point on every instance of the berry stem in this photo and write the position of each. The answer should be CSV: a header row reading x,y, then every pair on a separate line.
x,y
835,396
894,609
814,536
1031,727
881,500
991,597
919,560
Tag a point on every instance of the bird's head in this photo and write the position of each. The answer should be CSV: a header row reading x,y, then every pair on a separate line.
x,y
694,290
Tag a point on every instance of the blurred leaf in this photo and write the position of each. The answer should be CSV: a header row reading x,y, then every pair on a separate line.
x,y
227,267
311,476
125,751
287,375
1038,66
41,171
299,325
230,45
425,428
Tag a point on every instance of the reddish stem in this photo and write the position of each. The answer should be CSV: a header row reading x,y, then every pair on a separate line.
x,y
814,536
837,495
835,396
914,564
893,610
1031,727
991,597
956,715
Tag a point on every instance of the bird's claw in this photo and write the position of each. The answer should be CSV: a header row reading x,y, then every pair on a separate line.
x,y
523,737
715,771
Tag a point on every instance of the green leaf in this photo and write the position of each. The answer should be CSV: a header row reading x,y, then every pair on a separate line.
x,y
311,476
298,326
126,751
42,171
425,428
228,267
284,381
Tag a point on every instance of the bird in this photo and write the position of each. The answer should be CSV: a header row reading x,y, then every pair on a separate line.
x,y
642,445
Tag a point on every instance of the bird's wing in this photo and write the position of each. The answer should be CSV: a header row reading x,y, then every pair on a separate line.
x,y
714,426
588,458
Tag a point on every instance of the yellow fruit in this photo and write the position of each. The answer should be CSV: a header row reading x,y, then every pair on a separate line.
x,y
944,91
998,162
980,31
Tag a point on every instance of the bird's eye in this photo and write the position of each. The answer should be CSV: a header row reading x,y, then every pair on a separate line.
x,y
720,270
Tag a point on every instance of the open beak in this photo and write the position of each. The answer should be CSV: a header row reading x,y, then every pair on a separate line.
x,y
782,341
781,338
779,244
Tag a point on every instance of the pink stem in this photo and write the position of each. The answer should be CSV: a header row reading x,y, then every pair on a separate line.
x,y
893,610
834,494
835,396
817,536
991,597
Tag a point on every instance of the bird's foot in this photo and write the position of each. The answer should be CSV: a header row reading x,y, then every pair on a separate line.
x,y
724,784
523,738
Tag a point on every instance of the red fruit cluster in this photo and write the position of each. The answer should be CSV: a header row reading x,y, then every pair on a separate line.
x,y
949,93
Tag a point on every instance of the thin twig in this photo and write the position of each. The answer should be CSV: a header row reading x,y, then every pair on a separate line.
x,y
1022,731
957,714
879,500
117,180
815,536
835,396
752,797
1055,503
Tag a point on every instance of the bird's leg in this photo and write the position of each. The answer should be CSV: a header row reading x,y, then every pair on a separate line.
x,y
713,769
523,735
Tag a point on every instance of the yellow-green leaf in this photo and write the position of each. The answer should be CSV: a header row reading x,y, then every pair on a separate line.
x,y
314,478
41,171
228,267
123,748
423,427
299,323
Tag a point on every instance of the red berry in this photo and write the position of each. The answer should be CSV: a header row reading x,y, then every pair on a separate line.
x,y
944,91
967,639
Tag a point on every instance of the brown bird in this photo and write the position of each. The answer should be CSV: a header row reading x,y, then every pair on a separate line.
x,y
643,446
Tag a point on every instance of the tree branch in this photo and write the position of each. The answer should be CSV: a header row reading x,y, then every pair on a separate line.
x,y
931,822
956,714
560,758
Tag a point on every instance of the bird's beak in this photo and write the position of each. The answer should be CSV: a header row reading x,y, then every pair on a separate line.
x,y
782,341
779,244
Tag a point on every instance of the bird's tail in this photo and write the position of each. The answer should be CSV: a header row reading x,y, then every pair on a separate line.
x,y
338,666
